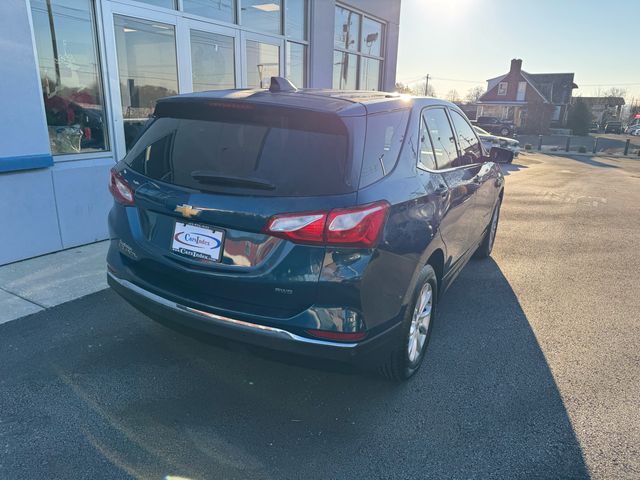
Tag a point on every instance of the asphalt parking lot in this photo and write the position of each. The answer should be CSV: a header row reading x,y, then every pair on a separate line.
x,y
533,369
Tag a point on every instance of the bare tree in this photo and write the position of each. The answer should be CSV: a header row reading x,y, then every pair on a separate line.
x,y
453,96
474,94
403,88
614,92
418,89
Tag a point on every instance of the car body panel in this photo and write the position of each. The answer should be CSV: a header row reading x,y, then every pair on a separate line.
x,y
269,281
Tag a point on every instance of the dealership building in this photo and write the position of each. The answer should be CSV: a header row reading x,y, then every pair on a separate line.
x,y
79,78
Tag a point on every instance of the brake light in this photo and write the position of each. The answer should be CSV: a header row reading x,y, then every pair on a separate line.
x,y
354,227
120,189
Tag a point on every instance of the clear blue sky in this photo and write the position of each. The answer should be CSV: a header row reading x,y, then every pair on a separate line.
x,y
473,40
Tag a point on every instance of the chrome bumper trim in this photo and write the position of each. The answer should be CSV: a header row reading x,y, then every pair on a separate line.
x,y
222,320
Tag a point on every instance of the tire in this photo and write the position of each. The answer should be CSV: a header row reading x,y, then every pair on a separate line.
x,y
403,360
485,248
505,132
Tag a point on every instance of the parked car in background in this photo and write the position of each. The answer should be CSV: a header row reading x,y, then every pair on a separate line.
x,y
494,142
594,127
496,126
308,221
613,127
633,129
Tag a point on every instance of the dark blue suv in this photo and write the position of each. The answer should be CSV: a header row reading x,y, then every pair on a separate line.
x,y
320,222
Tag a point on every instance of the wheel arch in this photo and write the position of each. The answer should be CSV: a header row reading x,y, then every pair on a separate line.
x,y
436,260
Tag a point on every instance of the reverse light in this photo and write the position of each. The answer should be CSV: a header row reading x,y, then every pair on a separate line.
x,y
357,226
120,190
307,227
354,227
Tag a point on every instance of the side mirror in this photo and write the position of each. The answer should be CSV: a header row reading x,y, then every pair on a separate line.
x,y
500,155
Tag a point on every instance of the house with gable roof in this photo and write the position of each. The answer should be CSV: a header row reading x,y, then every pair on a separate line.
x,y
534,102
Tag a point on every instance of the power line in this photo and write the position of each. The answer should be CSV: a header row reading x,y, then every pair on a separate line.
x,y
609,84
422,77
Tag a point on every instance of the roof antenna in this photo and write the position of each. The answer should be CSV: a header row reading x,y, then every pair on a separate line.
x,y
280,84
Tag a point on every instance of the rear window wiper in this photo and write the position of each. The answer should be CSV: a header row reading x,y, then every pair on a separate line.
x,y
214,178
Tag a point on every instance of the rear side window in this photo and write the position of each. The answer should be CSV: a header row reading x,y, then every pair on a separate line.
x,y
243,152
384,137
470,149
444,143
427,157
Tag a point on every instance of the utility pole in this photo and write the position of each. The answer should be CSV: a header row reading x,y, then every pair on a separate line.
x,y
426,87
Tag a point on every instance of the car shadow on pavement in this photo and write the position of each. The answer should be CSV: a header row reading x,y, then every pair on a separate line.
x,y
94,386
507,168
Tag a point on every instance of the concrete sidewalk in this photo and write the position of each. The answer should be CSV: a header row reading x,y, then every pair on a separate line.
x,y
39,283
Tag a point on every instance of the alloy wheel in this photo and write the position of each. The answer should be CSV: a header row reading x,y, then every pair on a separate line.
x,y
494,228
420,323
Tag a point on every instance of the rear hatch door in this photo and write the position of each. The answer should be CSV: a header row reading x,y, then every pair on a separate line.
x,y
207,178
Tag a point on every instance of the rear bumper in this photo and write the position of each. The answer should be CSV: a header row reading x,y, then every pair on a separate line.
x,y
162,309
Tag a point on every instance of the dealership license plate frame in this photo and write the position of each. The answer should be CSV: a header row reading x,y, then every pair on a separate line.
x,y
201,257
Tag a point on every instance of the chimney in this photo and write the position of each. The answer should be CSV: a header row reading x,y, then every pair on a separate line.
x,y
516,65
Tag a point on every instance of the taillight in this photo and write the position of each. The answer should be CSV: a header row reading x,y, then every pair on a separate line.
x,y
359,226
303,227
354,227
120,190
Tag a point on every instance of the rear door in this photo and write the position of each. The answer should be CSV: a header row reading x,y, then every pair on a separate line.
x,y
457,222
470,158
211,175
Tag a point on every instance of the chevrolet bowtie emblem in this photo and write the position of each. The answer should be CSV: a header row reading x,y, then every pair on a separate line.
x,y
188,211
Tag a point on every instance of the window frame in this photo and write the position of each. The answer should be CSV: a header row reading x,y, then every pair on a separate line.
x,y
501,92
102,76
236,24
455,130
358,51
422,123
447,109
455,138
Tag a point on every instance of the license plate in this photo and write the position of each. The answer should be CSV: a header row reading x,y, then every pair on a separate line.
x,y
197,241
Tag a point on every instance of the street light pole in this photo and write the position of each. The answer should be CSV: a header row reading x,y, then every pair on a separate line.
x,y
426,87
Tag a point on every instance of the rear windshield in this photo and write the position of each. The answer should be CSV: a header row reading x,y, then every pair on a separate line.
x,y
237,150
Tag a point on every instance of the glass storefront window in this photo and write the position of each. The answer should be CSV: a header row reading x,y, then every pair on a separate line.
x,y
363,36
224,10
296,19
147,69
160,3
212,61
369,73
347,29
345,68
262,15
263,62
371,37
68,59
296,62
